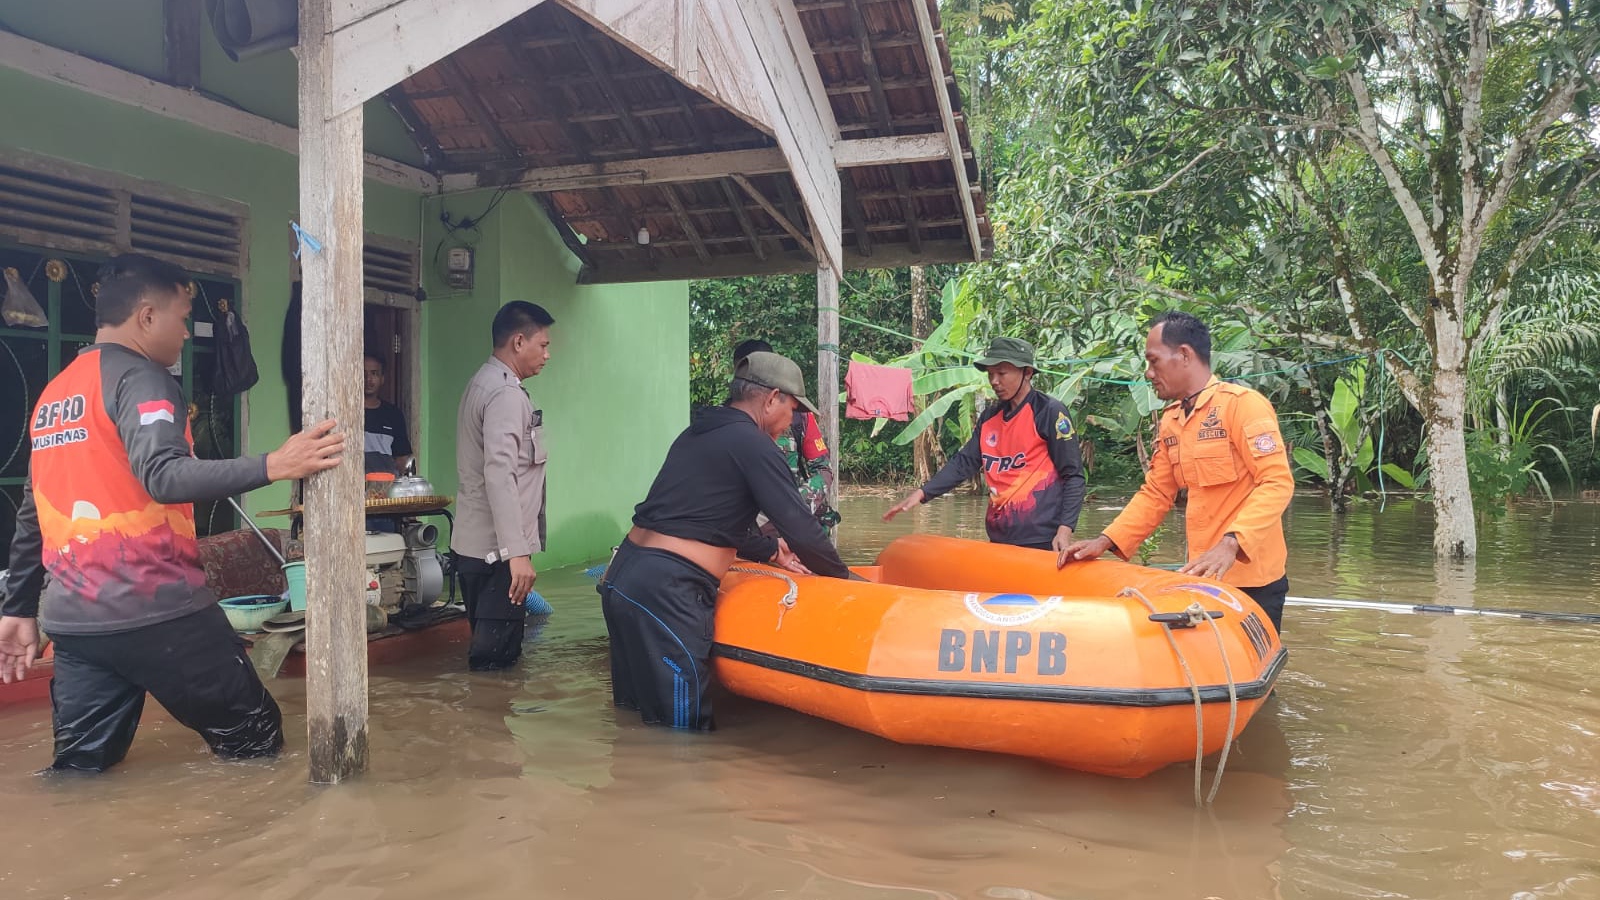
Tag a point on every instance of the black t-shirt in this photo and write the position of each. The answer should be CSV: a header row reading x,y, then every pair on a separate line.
x,y
386,431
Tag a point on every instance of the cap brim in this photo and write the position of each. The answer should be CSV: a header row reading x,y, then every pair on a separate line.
x,y
987,361
810,407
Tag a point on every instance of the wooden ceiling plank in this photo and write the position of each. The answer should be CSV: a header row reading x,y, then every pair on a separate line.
x,y
881,111
576,137
635,132
468,97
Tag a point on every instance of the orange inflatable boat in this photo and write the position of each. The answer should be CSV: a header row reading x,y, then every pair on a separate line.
x,y
1100,666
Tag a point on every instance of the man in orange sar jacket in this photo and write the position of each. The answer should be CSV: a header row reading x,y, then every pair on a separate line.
x,y
1221,442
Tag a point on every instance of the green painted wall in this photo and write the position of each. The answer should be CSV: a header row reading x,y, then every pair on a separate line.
x,y
54,120
128,34
614,394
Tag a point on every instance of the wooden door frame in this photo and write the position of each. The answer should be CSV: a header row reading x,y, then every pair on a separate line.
x,y
408,381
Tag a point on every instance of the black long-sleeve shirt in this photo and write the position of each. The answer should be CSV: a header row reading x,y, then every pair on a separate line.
x,y
719,473
1032,465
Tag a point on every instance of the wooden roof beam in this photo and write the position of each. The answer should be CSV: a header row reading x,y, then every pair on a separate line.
x,y
889,256
757,246
375,45
849,45
427,138
958,164
856,213
783,221
896,83
701,166
647,112
881,227
568,235
809,5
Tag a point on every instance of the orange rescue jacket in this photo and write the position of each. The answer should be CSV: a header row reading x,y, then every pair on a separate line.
x,y
1230,454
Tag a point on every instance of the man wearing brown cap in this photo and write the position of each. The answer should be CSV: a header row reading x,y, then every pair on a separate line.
x,y
1027,450
659,592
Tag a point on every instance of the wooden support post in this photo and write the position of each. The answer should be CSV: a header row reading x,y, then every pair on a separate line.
x,y
828,367
331,215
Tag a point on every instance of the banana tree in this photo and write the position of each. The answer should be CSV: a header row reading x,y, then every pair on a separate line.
x,y
1351,423
942,372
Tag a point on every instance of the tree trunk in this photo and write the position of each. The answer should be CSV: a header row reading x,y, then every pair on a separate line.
x,y
1502,409
1341,500
927,457
1455,533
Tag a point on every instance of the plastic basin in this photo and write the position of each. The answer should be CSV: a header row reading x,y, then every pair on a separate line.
x,y
246,614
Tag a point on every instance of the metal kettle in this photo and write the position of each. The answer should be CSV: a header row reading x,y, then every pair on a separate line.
x,y
409,484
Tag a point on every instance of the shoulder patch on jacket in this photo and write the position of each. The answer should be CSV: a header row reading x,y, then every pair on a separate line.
x,y
1262,436
1064,430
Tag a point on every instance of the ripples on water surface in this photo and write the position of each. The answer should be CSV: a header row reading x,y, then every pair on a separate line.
x,y
1403,756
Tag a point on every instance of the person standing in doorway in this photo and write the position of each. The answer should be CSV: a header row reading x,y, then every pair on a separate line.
x,y
500,460
1220,441
387,439
1027,449
108,512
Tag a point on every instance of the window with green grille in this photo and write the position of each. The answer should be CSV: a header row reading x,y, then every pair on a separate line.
x,y
63,284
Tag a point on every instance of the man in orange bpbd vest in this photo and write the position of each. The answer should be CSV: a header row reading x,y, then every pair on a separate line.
x,y
1027,449
109,513
1221,442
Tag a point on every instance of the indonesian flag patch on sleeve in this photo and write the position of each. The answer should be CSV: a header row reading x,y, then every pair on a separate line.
x,y
157,411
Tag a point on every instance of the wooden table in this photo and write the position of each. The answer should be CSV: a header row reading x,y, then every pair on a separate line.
x,y
436,505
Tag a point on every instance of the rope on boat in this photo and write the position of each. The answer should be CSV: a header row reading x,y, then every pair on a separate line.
x,y
1196,610
787,601
1196,613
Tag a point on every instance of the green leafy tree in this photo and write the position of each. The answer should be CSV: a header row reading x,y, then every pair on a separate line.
x,y
1367,175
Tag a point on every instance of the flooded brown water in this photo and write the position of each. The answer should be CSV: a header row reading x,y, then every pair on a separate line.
x,y
1403,756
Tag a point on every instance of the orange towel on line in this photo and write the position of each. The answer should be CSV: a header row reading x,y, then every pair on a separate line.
x,y
878,392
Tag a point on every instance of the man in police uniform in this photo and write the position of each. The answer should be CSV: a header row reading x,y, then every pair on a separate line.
x,y
500,462
1220,441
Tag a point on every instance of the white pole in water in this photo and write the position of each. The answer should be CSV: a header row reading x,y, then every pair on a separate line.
x,y
1436,609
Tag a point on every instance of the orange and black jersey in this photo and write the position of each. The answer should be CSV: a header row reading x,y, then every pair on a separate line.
x,y
1031,463
108,510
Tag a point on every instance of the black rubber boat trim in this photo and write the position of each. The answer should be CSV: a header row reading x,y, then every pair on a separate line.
x,y
981,690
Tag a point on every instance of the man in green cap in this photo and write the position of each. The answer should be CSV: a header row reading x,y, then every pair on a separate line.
x,y
660,590
1027,449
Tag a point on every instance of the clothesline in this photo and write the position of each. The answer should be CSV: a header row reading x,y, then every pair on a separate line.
x,y
1044,364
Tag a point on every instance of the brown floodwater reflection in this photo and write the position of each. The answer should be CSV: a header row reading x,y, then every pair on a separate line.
x,y
1403,756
